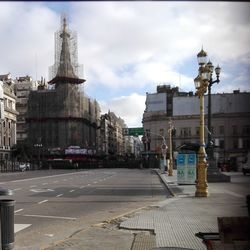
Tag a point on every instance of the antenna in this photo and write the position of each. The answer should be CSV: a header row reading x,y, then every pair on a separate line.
x,y
36,65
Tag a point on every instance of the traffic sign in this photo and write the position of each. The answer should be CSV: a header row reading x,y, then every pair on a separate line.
x,y
133,131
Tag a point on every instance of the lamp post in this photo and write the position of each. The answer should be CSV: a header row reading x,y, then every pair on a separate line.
x,y
201,82
209,136
170,170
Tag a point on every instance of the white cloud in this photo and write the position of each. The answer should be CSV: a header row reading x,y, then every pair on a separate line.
x,y
129,108
130,47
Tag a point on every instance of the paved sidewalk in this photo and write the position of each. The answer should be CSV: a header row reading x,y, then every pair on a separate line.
x,y
169,225
177,220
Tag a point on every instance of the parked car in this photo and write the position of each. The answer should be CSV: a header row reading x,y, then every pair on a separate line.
x,y
24,166
245,170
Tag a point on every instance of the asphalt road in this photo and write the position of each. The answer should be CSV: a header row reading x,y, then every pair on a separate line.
x,y
52,205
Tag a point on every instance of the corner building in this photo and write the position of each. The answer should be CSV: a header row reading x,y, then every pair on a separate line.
x,y
63,115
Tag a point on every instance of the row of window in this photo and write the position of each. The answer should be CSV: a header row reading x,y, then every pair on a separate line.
x,y
187,131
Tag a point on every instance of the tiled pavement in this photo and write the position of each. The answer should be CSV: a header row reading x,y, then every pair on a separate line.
x,y
176,222
172,224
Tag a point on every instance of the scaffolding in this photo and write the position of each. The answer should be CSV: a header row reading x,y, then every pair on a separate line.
x,y
73,50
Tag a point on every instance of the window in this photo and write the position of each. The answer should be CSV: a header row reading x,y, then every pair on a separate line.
x,y
235,144
221,129
197,131
246,130
221,144
185,132
235,130
246,144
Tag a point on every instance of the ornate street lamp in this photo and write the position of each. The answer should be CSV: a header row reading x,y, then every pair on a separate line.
x,y
170,170
209,136
202,82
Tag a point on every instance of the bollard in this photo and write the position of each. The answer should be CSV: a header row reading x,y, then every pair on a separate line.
x,y
7,223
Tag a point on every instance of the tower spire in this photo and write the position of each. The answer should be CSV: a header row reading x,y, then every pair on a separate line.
x,y
65,72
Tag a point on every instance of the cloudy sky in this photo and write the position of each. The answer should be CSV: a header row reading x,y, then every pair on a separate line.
x,y
128,48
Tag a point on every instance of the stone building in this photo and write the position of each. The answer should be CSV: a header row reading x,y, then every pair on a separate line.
x,y
8,116
22,88
63,115
230,122
112,141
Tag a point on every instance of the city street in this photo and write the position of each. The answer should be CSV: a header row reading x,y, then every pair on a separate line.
x,y
52,205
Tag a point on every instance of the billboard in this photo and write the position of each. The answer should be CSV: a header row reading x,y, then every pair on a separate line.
x,y
156,102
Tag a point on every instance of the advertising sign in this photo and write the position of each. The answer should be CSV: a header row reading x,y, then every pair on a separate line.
x,y
186,168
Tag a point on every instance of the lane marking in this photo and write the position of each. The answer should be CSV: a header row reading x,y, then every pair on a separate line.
x,y
19,210
50,217
16,189
59,195
42,201
71,191
49,235
19,227
44,177
41,190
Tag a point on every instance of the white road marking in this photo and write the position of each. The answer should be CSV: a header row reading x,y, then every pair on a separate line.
x,y
42,201
49,235
50,217
59,195
43,177
16,189
71,190
41,190
89,185
19,210
19,227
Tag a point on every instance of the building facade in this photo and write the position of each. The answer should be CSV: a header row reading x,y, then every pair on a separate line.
x,y
8,117
230,123
63,116
22,88
112,141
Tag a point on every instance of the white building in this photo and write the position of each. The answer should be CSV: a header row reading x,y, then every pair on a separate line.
x,y
8,117
22,88
230,123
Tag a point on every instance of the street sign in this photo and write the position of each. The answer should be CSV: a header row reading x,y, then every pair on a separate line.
x,y
133,131
186,168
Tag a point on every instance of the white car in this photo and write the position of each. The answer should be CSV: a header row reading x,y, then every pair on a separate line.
x,y
24,166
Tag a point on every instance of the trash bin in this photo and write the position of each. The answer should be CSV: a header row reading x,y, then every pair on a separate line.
x,y
7,223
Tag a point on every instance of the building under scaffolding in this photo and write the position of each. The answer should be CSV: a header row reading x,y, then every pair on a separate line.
x,y
63,116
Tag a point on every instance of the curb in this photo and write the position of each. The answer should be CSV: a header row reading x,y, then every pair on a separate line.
x,y
164,182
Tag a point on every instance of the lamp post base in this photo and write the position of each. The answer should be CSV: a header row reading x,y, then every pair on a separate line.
x,y
201,193
214,174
